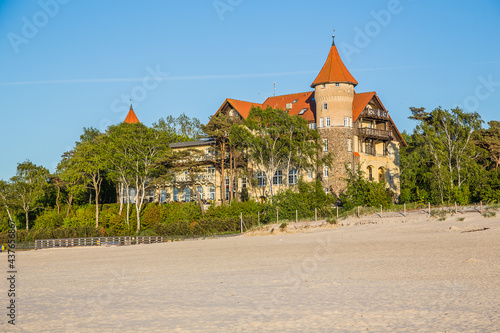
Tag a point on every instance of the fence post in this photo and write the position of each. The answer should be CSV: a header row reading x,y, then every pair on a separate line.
x,y
258,218
296,216
455,207
277,215
241,223
429,209
404,205
315,214
481,205
380,211
358,211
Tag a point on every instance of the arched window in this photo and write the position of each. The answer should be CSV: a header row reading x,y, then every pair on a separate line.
x,y
369,170
381,174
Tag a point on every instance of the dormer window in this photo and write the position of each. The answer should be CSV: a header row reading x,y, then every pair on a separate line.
x,y
295,101
302,111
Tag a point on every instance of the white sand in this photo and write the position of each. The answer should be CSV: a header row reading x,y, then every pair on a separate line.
x,y
402,274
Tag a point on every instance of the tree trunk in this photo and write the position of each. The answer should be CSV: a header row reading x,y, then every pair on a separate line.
x,y
128,205
120,197
70,201
26,212
223,176
57,199
230,175
97,209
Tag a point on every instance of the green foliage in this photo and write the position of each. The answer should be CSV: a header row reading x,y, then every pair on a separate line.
x,y
362,192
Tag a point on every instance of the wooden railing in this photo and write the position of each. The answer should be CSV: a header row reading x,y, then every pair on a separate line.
x,y
373,113
375,133
96,241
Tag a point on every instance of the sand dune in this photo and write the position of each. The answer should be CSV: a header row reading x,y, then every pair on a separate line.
x,y
401,274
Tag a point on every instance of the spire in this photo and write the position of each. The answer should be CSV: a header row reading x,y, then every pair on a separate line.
x,y
334,69
131,117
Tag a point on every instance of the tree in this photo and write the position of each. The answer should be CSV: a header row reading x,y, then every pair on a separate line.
x,y
6,197
28,185
179,129
89,164
184,168
490,140
362,192
219,128
275,141
147,145
446,139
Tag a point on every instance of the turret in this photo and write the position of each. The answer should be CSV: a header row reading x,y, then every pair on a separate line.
x,y
334,92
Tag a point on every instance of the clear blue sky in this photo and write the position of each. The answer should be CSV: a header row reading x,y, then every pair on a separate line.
x,y
66,67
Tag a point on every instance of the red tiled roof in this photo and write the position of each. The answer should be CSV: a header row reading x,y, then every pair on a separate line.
x,y
242,107
359,103
131,117
304,105
334,70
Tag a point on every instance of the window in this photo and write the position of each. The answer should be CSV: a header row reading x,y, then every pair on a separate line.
x,y
210,170
200,192
323,85
302,111
321,122
226,183
326,190
278,178
261,179
312,125
310,173
163,196
336,85
349,144
325,106
381,173
328,122
370,173
369,149
176,194
346,121
187,194
292,177
243,182
325,144
295,101
325,171
211,193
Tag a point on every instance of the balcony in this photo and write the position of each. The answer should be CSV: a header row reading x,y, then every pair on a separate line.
x,y
182,178
375,133
375,114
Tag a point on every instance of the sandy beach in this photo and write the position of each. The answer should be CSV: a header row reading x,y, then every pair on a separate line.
x,y
396,274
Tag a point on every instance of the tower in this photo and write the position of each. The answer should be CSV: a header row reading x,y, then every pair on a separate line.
x,y
334,95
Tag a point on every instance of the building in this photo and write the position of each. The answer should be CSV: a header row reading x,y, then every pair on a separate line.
x,y
356,127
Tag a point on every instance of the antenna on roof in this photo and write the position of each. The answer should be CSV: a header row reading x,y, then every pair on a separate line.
x,y
333,36
274,87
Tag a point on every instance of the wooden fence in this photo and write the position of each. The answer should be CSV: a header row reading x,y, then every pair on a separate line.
x,y
96,241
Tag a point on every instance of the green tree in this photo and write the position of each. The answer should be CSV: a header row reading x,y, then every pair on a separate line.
x,y
275,140
28,187
88,163
362,192
147,146
7,197
445,138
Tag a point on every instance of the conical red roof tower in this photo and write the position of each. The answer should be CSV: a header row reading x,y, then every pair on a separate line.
x,y
334,70
131,117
